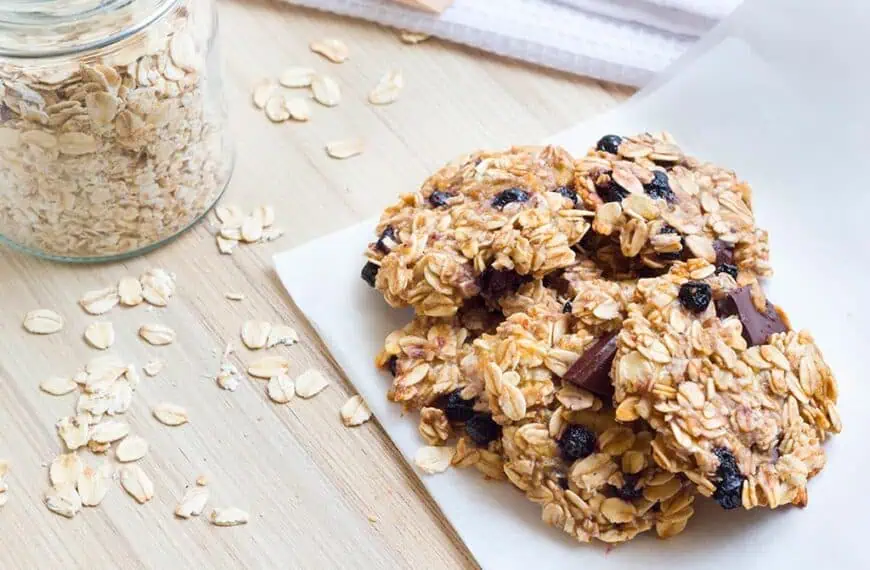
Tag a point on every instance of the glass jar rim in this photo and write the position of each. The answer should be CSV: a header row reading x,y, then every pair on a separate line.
x,y
35,29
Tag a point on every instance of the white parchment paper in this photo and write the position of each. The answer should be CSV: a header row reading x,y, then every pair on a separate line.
x,y
779,93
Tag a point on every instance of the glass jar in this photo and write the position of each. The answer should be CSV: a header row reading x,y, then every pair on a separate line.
x,y
113,133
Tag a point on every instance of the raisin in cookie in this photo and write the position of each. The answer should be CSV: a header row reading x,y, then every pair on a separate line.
x,y
741,403
654,206
594,477
483,225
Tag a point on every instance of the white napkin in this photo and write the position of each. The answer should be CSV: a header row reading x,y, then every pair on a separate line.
x,y
624,41
769,94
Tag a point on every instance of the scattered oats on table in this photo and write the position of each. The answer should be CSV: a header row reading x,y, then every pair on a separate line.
x,y
298,108
130,291
325,90
154,367
170,414
388,88
58,385
269,367
281,388
100,335
93,484
43,321
263,92
65,469
137,484
355,411
228,376
282,334
255,334
132,448
296,77
157,334
276,109
345,148
229,516
332,49
192,504
310,383
64,500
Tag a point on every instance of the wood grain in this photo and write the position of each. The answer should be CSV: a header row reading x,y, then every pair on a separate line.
x,y
310,484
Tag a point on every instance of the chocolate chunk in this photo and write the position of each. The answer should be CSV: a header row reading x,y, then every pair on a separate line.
x,y
369,273
757,327
496,283
387,241
592,370
557,282
724,252
590,242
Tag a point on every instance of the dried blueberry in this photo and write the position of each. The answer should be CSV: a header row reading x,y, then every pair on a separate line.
x,y
729,493
557,282
439,198
569,193
577,442
496,283
482,429
456,408
509,196
391,364
568,307
387,241
659,187
727,268
729,489
727,463
695,296
609,143
629,490
668,229
369,273
610,191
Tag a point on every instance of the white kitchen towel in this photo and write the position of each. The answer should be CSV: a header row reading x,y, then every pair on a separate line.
x,y
623,41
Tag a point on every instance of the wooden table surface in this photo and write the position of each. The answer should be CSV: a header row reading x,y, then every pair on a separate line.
x,y
320,495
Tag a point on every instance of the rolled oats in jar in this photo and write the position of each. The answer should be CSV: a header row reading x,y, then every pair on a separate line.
x,y
112,124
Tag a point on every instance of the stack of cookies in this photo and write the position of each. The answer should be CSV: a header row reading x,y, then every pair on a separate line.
x,y
593,331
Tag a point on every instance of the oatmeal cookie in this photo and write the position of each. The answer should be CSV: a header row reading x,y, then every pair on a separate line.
x,y
741,403
654,206
428,358
594,477
531,352
483,225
